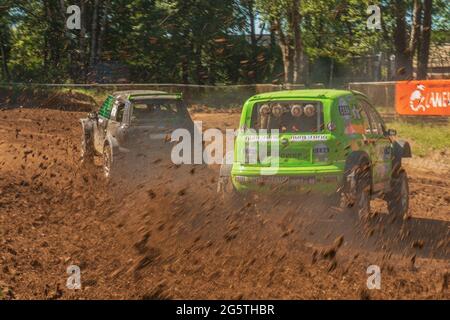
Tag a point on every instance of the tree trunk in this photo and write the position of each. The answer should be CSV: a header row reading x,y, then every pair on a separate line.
x,y
55,33
102,29
330,79
82,42
288,61
5,69
184,70
273,38
286,51
93,57
199,72
424,48
298,48
250,4
415,29
403,63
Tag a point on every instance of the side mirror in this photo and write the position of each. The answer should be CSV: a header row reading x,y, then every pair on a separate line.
x,y
392,132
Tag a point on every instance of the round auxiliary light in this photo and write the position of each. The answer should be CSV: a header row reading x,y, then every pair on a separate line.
x,y
296,110
309,110
265,110
277,110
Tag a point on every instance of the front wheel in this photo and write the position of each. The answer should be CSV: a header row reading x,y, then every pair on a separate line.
x,y
398,198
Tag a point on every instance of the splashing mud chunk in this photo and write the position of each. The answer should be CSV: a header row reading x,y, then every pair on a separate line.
x,y
444,286
150,258
141,246
157,293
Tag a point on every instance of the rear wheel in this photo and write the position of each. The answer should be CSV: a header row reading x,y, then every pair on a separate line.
x,y
358,199
398,198
107,162
87,155
363,194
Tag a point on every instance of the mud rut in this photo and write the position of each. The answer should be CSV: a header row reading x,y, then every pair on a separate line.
x,y
170,237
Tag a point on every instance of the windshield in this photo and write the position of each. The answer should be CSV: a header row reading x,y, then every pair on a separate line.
x,y
288,117
145,111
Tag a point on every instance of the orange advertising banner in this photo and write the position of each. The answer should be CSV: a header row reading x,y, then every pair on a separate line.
x,y
423,98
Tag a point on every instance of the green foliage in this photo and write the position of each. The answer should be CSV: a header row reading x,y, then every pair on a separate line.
x,y
187,41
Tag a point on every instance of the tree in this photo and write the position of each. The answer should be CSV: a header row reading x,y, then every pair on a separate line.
x,y
285,17
210,42
413,41
250,13
5,21
424,45
405,40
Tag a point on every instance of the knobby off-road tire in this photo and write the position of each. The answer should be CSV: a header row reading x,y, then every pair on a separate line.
x,y
357,195
357,200
87,154
398,198
363,193
108,163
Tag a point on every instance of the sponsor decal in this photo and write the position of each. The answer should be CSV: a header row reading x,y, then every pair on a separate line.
x,y
317,137
427,97
295,138
356,113
353,129
344,108
285,180
321,149
258,138
321,153
293,155
344,111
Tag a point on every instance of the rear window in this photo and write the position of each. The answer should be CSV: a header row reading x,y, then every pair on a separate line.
x,y
289,116
145,111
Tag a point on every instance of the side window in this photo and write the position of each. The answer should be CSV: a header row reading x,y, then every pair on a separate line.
x,y
377,123
375,120
365,118
105,110
120,108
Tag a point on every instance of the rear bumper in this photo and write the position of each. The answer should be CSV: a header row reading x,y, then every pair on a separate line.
x,y
321,179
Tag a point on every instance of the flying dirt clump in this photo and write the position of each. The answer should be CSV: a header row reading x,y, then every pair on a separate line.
x,y
150,242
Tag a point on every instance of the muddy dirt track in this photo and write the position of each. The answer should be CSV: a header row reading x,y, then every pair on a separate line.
x,y
170,237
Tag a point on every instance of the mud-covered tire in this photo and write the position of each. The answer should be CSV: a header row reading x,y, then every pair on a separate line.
x,y
363,194
108,163
358,199
398,198
87,154
357,188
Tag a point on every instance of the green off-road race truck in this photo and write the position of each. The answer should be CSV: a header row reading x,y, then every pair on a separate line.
x,y
330,142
